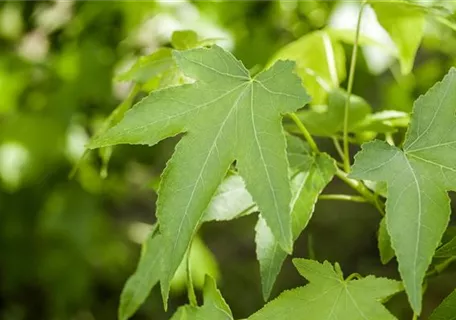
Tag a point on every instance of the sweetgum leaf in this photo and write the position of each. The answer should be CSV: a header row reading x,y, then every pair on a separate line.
x,y
418,178
329,296
306,187
228,116
146,276
384,243
214,307
405,25
232,200
446,310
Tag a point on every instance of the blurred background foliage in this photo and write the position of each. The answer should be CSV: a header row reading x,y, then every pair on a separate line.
x,y
68,245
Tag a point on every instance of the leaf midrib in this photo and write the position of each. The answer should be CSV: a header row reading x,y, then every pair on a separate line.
x,y
234,107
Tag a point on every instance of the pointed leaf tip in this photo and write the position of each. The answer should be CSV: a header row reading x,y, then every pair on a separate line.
x,y
418,178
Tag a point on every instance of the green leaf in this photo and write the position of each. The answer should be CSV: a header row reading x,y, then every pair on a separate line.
x,y
149,67
146,276
348,36
214,307
384,243
329,296
230,201
184,39
299,155
202,263
418,177
446,310
379,187
306,187
320,62
328,120
382,122
447,250
405,26
228,116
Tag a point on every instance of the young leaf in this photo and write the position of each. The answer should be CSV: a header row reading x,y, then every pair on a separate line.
x,y
384,243
329,296
184,39
306,187
383,121
320,62
418,177
148,67
446,310
405,25
146,276
447,250
228,116
214,307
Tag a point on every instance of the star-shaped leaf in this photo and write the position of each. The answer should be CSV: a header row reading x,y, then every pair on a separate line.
x,y
307,185
146,276
214,307
418,178
328,296
228,116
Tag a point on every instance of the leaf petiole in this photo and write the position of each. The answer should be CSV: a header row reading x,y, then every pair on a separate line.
x,y
342,197
361,189
304,132
439,268
190,289
354,276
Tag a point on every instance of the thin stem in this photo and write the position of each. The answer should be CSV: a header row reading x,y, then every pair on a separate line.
x,y
415,316
338,148
439,268
351,78
357,185
361,189
190,289
354,276
389,138
342,197
304,132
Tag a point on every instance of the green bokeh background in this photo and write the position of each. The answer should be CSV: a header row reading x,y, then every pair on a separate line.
x,y
68,245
